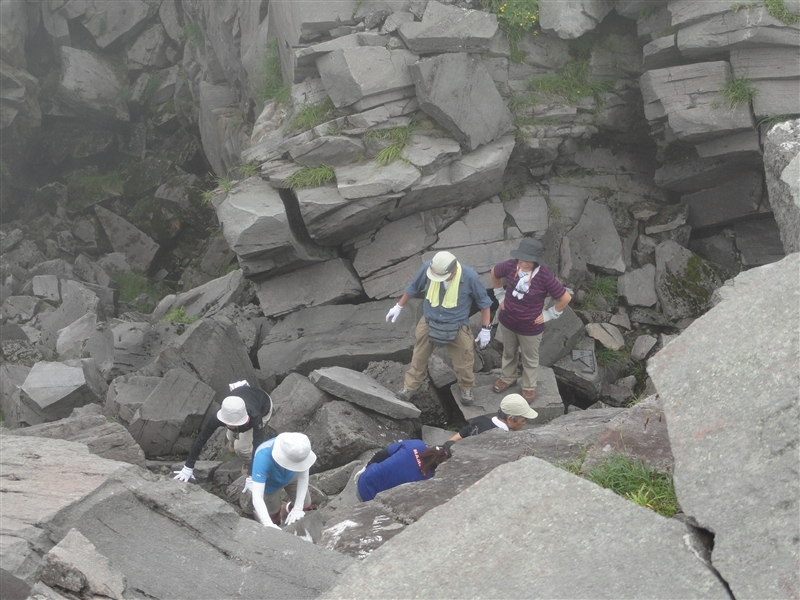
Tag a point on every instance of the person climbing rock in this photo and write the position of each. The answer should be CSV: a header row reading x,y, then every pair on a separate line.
x,y
450,289
527,283
245,413
514,412
402,462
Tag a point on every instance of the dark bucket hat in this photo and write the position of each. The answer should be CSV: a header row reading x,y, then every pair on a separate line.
x,y
530,250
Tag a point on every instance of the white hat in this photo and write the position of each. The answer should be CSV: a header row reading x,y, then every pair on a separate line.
x,y
233,411
293,451
442,266
516,406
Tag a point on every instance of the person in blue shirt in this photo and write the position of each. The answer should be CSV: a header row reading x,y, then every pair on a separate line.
x,y
403,462
450,289
281,462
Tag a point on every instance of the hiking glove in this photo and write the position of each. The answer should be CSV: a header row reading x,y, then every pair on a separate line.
x,y
185,474
393,313
248,483
295,515
551,314
484,337
500,294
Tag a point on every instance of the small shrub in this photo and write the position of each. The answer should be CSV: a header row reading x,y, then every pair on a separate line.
x,y
737,91
310,177
178,316
311,115
272,86
514,17
571,83
778,9
633,480
224,184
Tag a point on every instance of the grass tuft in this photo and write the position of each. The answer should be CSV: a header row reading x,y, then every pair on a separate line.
x,y
310,177
194,35
738,91
245,171
601,286
606,356
778,9
272,86
633,480
514,17
571,83
132,285
178,316
311,115
398,139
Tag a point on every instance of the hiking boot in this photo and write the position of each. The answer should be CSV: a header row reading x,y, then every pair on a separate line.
x,y
467,398
406,394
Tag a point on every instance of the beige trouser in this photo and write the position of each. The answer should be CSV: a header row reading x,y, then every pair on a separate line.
x,y
243,442
528,346
460,350
275,499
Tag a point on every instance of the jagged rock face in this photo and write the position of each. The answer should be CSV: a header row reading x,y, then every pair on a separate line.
x,y
782,165
702,391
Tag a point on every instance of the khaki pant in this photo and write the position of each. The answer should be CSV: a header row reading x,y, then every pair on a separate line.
x,y
528,346
243,442
460,350
275,499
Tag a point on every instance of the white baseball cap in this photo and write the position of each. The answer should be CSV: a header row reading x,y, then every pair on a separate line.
x,y
516,406
442,266
233,411
293,451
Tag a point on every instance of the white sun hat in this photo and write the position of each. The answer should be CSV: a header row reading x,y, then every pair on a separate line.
x,y
293,451
233,411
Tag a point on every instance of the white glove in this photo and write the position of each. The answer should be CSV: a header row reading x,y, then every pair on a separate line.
x,y
248,484
551,314
484,337
500,294
295,515
271,524
185,474
238,384
393,313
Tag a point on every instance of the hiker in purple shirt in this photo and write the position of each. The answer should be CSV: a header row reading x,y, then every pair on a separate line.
x,y
528,282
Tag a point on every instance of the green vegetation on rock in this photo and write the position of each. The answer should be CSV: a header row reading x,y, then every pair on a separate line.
x,y
310,177
194,35
514,17
272,86
85,189
571,83
738,90
178,316
398,139
311,115
606,356
635,481
778,9
132,285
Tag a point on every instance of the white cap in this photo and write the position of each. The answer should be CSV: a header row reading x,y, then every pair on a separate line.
x,y
442,266
516,406
233,411
293,451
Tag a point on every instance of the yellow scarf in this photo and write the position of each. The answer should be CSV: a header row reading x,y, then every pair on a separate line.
x,y
450,296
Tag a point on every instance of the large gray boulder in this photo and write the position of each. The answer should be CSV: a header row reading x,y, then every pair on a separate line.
x,y
365,77
139,248
296,401
458,92
77,301
220,121
735,200
370,179
91,86
127,393
773,74
361,389
481,225
395,242
52,389
684,281
300,288
638,286
111,23
102,436
204,300
449,29
733,431
782,167
573,18
654,557
175,409
347,336
87,338
465,182
594,241
220,553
